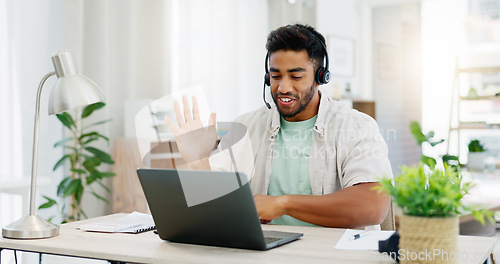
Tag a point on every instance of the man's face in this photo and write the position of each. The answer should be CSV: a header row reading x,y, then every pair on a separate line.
x,y
292,84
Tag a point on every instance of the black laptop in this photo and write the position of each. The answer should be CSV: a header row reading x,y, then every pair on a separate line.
x,y
207,208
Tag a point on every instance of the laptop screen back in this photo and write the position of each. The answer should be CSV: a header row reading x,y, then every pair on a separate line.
x,y
227,218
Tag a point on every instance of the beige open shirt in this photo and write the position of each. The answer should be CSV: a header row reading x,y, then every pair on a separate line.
x,y
347,148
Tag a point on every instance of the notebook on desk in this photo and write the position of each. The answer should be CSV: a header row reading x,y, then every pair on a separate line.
x,y
207,208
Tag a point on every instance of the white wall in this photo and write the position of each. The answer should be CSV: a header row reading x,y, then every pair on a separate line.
x,y
36,38
340,18
33,37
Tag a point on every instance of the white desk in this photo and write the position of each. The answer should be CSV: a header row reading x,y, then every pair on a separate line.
x,y
316,246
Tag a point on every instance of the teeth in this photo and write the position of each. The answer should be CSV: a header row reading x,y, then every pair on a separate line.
x,y
286,100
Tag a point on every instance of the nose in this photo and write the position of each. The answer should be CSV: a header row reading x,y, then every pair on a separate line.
x,y
285,86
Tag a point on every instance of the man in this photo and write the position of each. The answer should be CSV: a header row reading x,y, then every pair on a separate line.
x,y
313,160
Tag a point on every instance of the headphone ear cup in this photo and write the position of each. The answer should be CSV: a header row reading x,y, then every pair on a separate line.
x,y
326,76
322,76
267,79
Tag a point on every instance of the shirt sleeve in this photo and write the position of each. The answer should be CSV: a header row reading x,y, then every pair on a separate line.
x,y
234,152
364,153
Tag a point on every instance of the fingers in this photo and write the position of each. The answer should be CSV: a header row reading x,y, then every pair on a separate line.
x,y
178,115
211,119
171,126
187,111
196,111
187,118
211,123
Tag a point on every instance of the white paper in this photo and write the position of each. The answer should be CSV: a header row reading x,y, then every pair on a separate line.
x,y
131,223
369,240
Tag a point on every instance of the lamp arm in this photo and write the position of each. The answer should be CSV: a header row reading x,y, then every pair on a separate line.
x,y
35,145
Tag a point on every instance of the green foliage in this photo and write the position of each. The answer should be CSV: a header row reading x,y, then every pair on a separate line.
x,y
476,146
451,160
84,160
431,193
421,138
416,131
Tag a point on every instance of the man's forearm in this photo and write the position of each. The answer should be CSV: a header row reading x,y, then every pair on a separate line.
x,y
351,207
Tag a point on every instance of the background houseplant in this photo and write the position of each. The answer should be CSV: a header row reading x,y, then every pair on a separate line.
x,y
476,155
431,200
84,160
421,138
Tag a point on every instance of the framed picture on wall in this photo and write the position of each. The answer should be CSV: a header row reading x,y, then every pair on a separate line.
x,y
341,55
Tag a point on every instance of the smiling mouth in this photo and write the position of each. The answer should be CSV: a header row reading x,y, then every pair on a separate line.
x,y
286,101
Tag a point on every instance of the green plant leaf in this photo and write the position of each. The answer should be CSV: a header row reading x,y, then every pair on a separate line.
x,y
79,171
101,155
72,148
91,108
97,123
101,175
436,142
451,160
104,186
429,161
61,142
73,187
79,193
106,174
416,131
46,205
66,119
84,214
103,137
89,141
50,202
476,146
49,199
91,163
61,161
90,179
100,197
92,136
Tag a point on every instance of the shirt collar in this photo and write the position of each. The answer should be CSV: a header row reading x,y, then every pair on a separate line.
x,y
319,126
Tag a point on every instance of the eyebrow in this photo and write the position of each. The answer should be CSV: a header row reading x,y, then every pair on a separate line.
x,y
298,69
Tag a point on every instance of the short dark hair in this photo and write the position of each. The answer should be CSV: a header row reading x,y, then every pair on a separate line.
x,y
298,37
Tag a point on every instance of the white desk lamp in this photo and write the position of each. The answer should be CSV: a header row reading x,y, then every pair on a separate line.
x,y
71,91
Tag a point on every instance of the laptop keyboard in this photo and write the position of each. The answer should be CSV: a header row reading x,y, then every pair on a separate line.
x,y
272,239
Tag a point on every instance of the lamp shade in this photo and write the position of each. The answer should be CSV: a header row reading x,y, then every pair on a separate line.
x,y
72,89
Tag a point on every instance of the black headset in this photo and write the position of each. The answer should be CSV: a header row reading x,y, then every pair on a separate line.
x,y
322,74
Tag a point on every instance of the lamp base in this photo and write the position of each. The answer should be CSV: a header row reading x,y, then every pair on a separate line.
x,y
30,227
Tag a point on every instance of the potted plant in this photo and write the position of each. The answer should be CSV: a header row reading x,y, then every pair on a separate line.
x,y
476,155
431,200
84,160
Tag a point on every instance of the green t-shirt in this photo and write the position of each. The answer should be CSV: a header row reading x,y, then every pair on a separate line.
x,y
290,173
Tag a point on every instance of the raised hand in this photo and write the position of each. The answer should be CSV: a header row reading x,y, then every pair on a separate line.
x,y
195,142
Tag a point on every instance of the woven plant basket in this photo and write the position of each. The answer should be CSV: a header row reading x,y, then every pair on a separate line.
x,y
428,239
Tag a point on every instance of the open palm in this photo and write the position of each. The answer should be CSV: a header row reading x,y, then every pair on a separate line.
x,y
195,142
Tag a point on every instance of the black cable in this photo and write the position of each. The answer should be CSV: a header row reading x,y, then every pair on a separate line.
x,y
15,256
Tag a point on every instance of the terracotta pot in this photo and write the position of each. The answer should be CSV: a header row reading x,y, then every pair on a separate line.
x,y
428,239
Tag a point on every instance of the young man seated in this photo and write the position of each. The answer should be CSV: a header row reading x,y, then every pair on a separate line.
x,y
311,160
